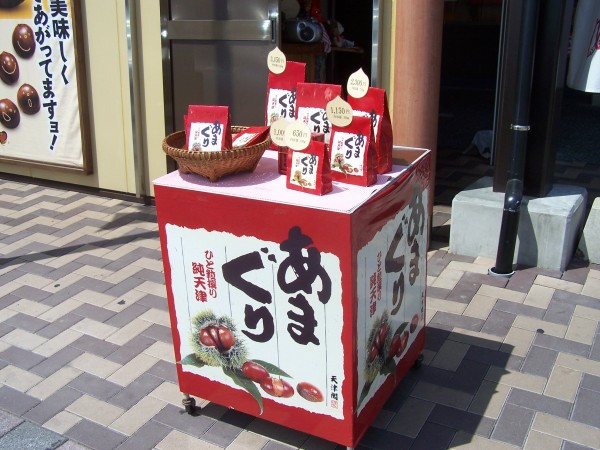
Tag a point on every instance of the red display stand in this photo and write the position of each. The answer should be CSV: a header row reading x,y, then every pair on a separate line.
x,y
303,310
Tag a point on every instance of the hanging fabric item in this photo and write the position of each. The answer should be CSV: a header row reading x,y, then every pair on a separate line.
x,y
584,64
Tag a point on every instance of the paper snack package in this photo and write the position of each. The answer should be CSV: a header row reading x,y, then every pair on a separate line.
x,y
250,136
374,105
311,103
309,170
352,152
281,92
207,128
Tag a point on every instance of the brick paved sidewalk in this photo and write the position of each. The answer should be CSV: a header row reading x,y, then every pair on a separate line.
x,y
86,358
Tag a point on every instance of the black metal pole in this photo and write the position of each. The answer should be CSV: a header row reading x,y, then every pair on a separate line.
x,y
513,194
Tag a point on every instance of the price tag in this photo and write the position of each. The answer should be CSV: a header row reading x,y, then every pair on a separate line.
x,y
277,132
358,84
276,61
339,112
297,135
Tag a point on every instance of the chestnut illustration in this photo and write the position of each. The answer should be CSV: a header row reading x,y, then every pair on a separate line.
x,y
28,99
23,40
309,392
9,68
217,336
9,114
277,387
414,323
254,371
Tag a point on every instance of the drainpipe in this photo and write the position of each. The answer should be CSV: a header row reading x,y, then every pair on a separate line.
x,y
513,194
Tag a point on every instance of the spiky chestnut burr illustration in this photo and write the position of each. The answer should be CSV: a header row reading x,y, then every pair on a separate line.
x,y
215,341
378,345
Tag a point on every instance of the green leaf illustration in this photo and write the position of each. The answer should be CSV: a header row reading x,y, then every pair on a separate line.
x,y
389,366
247,384
363,393
192,360
271,368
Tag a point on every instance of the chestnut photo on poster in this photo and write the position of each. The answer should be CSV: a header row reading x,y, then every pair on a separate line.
x,y
40,85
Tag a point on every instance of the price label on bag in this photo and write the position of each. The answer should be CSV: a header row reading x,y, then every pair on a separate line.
x,y
297,135
339,112
358,84
276,61
277,132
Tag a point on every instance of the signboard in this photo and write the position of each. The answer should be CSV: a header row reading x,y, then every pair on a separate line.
x,y
43,108
251,313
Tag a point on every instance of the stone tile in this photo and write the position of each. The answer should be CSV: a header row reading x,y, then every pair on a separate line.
x,y
147,437
476,338
563,383
222,433
433,436
513,425
561,345
57,343
28,435
93,312
480,306
23,359
490,399
585,409
128,332
178,419
539,361
135,346
582,330
468,376
384,440
462,420
18,379
450,355
16,402
465,441
94,386
454,320
539,296
248,441
524,381
140,388
95,410
52,406
156,302
442,395
578,363
572,446
521,281
411,417
176,439
487,356
132,369
518,342
567,430
541,441
8,422
591,288
159,333
50,385
62,422
26,322
531,324
95,365
498,323
59,325
519,309
95,436
56,361
501,293
128,314
590,382
558,284
445,305
138,415
94,345
23,339
539,402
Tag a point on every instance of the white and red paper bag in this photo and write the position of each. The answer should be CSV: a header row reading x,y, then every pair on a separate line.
x,y
352,152
311,104
309,170
250,136
207,128
374,105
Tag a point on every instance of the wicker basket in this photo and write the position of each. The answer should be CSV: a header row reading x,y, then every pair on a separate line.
x,y
214,165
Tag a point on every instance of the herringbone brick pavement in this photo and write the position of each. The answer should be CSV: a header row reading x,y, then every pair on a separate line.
x,y
86,358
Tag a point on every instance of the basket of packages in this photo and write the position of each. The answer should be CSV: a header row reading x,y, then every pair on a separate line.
x,y
215,164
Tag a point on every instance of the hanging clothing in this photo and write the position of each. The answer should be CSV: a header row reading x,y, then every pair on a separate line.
x,y
584,63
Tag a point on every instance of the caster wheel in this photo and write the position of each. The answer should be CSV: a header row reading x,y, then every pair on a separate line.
x,y
418,362
189,404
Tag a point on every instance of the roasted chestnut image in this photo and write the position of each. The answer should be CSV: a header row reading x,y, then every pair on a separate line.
x,y
9,114
9,68
23,40
28,99
277,387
